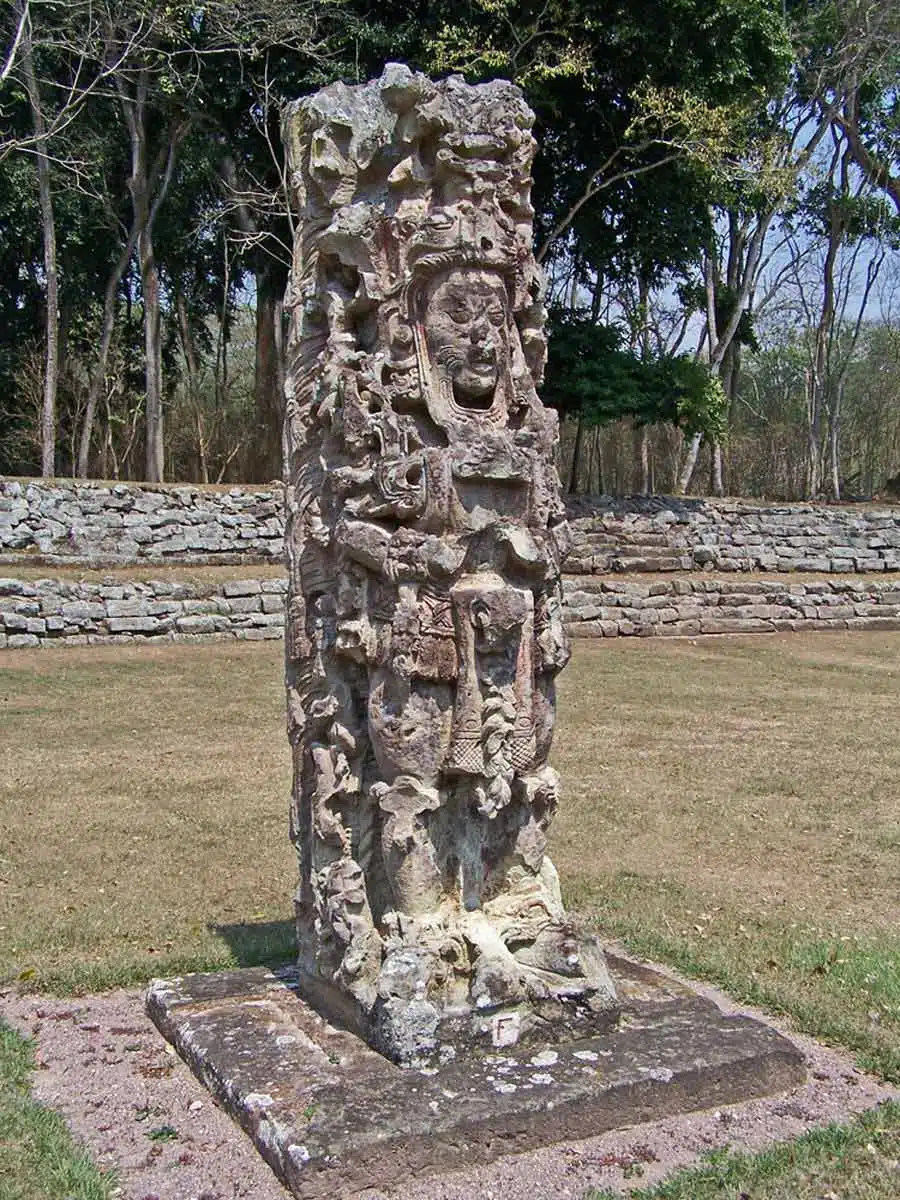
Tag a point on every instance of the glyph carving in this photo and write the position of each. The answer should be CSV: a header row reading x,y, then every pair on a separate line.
x,y
424,537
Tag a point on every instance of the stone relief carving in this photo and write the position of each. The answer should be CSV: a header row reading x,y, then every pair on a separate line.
x,y
424,536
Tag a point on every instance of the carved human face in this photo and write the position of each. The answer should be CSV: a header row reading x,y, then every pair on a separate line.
x,y
465,329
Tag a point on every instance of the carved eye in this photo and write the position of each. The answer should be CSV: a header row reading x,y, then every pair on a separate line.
x,y
496,315
460,315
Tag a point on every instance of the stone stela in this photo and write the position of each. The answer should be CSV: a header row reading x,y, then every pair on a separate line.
x,y
424,535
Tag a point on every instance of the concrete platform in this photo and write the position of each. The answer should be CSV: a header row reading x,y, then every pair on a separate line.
x,y
332,1116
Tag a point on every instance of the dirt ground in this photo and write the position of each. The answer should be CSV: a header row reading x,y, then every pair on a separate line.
x,y
140,1111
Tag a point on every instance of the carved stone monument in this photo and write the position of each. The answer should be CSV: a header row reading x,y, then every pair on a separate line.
x,y
424,538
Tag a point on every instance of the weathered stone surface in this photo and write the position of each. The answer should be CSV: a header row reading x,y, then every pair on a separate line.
x,y
593,607
99,523
729,535
332,1117
241,587
60,610
93,522
425,533
715,624
21,641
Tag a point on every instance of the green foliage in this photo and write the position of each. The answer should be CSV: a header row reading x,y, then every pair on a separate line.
x,y
829,986
590,376
640,98
859,215
768,427
533,44
162,1133
693,297
650,118
37,1158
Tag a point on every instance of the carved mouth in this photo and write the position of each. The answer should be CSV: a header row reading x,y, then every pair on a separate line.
x,y
474,402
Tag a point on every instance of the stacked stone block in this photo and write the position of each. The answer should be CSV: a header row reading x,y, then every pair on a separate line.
x,y
690,607
640,534
54,611
51,611
706,547
127,523
79,522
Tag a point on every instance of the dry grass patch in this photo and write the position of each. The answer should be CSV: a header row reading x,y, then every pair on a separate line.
x,y
206,575
762,771
143,806
729,806
740,801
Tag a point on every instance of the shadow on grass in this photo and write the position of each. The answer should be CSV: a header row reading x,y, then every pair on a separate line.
x,y
259,943
248,944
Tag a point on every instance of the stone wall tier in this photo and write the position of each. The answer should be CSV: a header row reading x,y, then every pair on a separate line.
x,y
122,523
51,611
697,605
666,534
56,611
102,524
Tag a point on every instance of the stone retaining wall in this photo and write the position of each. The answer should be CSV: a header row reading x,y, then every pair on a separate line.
x,y
56,611
112,523
52,611
109,523
689,607
663,533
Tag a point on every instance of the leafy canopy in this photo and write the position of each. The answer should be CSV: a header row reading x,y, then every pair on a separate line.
x,y
590,375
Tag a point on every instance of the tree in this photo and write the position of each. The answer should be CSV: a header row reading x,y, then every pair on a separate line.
x,y
25,40
850,67
592,377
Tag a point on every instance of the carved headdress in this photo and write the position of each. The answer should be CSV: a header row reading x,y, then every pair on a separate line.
x,y
457,204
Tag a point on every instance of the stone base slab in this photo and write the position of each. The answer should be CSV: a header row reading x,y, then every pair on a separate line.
x,y
332,1116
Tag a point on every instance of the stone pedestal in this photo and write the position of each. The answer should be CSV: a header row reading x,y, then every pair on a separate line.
x,y
331,1116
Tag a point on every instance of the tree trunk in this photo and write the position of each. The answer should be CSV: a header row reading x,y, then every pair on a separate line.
x,y
107,329
189,348
48,228
716,483
710,276
641,341
153,352
148,185
813,489
280,365
819,375
834,443
576,456
641,478
729,372
268,396
689,465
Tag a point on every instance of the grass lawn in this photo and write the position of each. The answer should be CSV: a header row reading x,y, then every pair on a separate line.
x,y
143,812
854,1162
730,806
